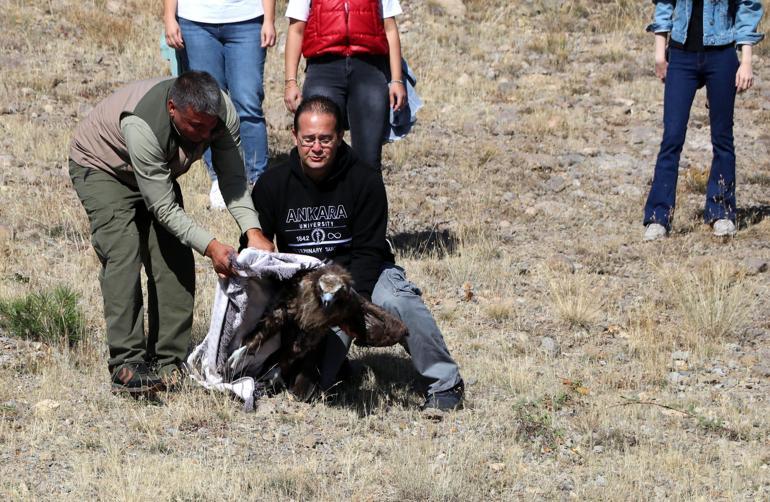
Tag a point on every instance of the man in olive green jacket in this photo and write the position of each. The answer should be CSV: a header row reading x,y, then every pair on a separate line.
x,y
124,161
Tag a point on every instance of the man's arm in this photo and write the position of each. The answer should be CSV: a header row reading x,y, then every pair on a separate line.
x,y
157,188
228,164
370,222
260,196
156,185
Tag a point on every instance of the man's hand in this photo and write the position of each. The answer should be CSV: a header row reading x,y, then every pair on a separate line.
x,y
222,257
256,239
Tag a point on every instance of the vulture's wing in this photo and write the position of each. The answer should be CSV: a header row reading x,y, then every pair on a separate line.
x,y
376,327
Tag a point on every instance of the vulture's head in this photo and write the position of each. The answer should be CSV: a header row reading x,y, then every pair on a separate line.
x,y
333,287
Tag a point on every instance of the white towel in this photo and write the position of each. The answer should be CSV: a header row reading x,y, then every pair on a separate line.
x,y
239,303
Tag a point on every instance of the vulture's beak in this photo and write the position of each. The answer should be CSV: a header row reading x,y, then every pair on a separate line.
x,y
327,299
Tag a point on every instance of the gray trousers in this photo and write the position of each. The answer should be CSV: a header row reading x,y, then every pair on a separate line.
x,y
425,344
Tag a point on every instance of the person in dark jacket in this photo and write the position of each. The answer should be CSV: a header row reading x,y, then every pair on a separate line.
x,y
327,203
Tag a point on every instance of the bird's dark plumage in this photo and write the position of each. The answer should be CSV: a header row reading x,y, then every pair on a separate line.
x,y
313,301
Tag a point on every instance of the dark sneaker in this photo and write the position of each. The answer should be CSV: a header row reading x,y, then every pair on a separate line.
x,y
173,375
446,400
135,378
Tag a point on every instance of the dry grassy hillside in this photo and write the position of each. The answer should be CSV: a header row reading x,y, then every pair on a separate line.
x,y
598,366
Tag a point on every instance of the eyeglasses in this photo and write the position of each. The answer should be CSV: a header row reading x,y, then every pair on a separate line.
x,y
309,141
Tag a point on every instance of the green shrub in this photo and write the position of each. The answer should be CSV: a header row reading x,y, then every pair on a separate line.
x,y
47,316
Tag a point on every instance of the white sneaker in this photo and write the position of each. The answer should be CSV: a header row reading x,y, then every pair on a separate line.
x,y
215,197
654,231
724,228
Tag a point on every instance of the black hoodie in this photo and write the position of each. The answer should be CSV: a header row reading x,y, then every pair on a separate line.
x,y
342,218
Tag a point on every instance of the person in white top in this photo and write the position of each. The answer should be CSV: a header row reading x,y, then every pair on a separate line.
x,y
353,56
229,40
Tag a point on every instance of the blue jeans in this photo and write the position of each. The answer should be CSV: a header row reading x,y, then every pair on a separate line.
x,y
233,55
425,344
359,86
687,71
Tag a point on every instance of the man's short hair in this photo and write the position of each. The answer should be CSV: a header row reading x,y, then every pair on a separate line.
x,y
197,90
321,105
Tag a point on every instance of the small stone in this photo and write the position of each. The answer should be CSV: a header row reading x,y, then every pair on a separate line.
x,y
761,370
506,88
560,263
600,481
114,6
718,371
45,407
6,233
463,80
680,355
555,184
509,197
572,159
755,266
598,448
566,485
453,8
497,466
504,224
676,378
519,341
549,346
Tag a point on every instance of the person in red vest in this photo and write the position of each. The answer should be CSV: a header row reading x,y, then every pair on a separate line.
x,y
353,55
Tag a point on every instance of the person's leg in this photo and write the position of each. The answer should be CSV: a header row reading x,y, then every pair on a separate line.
x,y
368,105
115,221
682,81
430,355
335,349
326,76
205,52
244,73
721,67
170,268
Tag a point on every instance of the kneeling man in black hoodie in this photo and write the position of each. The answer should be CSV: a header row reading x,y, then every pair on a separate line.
x,y
326,203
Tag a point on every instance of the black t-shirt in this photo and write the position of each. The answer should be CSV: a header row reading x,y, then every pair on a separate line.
x,y
342,218
694,42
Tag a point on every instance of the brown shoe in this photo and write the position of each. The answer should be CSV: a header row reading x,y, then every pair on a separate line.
x,y
135,379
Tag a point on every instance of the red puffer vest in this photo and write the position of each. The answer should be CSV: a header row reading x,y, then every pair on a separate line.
x,y
345,28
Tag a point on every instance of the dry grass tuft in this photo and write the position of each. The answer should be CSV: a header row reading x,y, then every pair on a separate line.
x,y
696,179
713,299
574,297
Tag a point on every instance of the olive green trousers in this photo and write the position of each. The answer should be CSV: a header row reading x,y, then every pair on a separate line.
x,y
126,237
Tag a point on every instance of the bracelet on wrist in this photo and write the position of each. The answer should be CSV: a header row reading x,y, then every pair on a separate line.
x,y
289,81
396,82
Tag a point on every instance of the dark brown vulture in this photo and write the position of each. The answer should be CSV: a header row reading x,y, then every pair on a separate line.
x,y
306,307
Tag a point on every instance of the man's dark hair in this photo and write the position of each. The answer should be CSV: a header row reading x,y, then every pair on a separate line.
x,y
319,104
197,90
